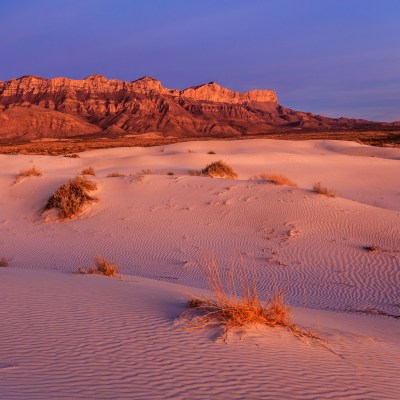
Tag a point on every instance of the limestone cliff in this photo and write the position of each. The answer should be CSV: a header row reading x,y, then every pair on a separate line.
x,y
35,107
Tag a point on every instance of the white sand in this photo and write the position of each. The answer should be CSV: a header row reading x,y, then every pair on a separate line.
x,y
72,336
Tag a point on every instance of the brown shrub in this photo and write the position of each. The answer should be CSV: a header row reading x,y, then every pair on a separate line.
x,y
219,169
101,267
211,152
3,262
318,188
32,171
371,249
89,171
70,198
115,175
276,179
227,309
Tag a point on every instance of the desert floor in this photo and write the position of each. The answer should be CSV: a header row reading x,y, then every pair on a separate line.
x,y
65,335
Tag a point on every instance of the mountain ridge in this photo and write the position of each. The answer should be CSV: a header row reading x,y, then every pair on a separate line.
x,y
33,107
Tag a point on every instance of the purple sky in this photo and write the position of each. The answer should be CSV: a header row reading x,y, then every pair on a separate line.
x,y
334,57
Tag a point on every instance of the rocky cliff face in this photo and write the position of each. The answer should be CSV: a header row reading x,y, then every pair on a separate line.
x,y
33,107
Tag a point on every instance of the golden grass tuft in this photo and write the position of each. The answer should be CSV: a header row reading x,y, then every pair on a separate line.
x,y
115,175
70,198
225,308
219,169
3,262
318,188
89,171
276,179
101,267
24,173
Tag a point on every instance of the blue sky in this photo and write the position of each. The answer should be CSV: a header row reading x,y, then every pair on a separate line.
x,y
335,57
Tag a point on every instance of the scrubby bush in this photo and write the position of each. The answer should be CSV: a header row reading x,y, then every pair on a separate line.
x,y
276,179
318,188
32,171
229,310
89,171
70,198
219,169
101,267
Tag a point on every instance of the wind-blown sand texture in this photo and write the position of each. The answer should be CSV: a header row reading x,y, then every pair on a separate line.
x,y
66,335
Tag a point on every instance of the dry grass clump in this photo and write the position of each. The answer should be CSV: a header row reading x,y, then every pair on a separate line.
x,y
89,171
227,309
101,267
219,169
115,175
3,262
318,188
147,171
32,171
276,179
70,198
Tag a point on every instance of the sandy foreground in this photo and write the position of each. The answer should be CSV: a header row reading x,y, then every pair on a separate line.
x,y
65,335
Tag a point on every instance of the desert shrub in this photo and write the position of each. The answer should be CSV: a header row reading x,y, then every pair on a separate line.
x,y
3,262
147,171
32,171
371,249
276,179
101,267
170,173
219,169
115,175
70,198
211,152
226,309
73,155
318,188
89,171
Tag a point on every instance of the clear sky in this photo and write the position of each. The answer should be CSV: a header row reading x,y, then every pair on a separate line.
x,y
335,57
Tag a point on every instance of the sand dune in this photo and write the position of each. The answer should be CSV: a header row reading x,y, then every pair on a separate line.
x,y
65,335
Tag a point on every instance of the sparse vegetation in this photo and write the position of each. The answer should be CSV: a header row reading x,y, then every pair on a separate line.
x,y
276,179
73,155
371,249
115,175
211,152
24,173
170,173
101,267
225,308
89,171
318,188
3,262
70,198
219,169
147,171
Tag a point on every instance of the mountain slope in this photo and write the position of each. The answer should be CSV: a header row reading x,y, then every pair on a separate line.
x,y
33,107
